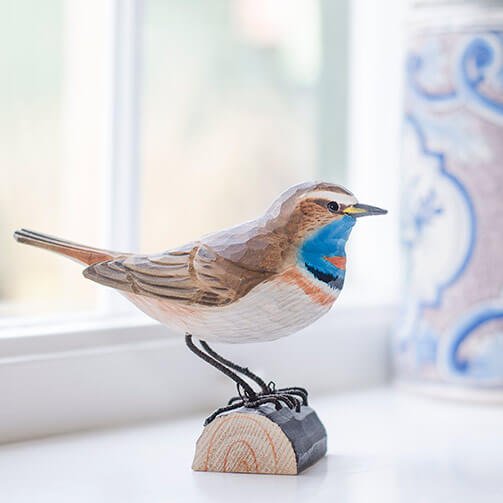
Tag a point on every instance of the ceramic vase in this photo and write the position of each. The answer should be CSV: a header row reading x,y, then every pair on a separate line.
x,y
449,337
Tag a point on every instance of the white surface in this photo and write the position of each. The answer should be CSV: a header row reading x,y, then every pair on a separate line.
x,y
383,446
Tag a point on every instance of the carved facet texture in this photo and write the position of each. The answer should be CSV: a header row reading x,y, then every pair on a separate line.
x,y
257,281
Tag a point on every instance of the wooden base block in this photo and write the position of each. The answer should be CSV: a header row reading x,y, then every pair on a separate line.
x,y
262,440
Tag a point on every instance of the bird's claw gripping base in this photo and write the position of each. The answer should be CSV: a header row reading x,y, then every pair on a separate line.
x,y
293,398
267,431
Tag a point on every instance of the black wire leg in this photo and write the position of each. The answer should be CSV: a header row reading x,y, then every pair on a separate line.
x,y
247,397
242,370
248,390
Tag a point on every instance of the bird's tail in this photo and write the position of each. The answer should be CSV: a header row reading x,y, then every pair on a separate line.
x,y
80,253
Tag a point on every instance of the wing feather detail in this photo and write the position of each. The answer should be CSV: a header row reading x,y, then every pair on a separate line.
x,y
193,275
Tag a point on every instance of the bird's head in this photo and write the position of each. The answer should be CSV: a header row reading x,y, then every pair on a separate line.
x,y
313,206
317,218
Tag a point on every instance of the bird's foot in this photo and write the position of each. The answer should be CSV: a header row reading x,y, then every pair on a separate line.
x,y
294,392
292,397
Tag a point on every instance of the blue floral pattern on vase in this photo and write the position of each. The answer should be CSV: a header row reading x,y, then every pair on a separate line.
x,y
451,325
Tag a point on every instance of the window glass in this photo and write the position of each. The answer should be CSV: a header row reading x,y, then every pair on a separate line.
x,y
51,134
229,111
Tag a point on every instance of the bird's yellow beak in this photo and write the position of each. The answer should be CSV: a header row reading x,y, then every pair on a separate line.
x,y
363,210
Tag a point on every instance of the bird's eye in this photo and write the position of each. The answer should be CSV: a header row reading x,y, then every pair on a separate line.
x,y
333,207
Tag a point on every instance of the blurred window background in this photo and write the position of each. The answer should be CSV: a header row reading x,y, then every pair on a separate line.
x,y
237,100
51,160
229,111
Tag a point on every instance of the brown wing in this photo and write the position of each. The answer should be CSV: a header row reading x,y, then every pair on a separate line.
x,y
191,275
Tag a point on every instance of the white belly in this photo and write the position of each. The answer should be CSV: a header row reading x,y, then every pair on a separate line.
x,y
269,311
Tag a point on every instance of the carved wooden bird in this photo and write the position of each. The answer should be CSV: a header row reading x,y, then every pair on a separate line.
x,y
257,281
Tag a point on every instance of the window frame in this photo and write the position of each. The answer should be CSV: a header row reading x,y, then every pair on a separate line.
x,y
85,376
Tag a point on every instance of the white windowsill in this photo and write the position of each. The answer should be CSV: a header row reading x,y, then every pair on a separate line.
x,y
96,375
383,446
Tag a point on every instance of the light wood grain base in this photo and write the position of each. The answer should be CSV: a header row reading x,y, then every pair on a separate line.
x,y
262,441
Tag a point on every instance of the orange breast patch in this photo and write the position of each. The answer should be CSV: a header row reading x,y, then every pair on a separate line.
x,y
315,293
338,261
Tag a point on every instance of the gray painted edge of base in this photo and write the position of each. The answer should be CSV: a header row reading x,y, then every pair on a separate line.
x,y
304,430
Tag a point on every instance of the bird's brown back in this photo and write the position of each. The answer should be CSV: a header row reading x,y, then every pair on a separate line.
x,y
224,266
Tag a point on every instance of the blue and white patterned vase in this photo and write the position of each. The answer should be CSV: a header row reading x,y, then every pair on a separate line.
x,y
450,334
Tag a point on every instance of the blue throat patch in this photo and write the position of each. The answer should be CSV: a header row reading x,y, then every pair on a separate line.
x,y
329,241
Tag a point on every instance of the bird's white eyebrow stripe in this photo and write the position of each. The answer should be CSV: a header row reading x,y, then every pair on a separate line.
x,y
331,196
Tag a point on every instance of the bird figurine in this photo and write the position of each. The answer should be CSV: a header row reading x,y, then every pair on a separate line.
x,y
255,282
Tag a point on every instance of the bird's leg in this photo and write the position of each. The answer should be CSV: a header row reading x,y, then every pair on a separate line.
x,y
242,370
246,396
291,397
248,390
266,389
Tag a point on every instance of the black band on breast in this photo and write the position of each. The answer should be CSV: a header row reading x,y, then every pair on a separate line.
x,y
332,281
